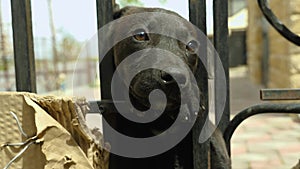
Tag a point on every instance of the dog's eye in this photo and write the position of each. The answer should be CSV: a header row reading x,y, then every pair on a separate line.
x,y
192,46
140,35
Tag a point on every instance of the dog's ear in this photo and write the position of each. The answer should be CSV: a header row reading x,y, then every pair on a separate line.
x,y
119,13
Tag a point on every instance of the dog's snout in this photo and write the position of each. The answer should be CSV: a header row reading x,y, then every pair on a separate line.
x,y
170,79
167,78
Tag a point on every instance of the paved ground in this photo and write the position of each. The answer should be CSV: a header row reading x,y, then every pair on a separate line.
x,y
262,141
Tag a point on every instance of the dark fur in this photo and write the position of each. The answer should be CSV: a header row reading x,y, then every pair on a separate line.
x,y
149,80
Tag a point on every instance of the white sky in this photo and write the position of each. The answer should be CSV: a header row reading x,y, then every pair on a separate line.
x,y
78,17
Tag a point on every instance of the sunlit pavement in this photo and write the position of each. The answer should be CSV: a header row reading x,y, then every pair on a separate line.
x,y
262,141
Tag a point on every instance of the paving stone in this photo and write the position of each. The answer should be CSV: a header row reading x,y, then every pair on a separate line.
x,y
259,149
262,129
283,127
285,167
240,165
238,148
280,119
248,135
252,157
265,164
270,145
264,138
287,135
290,149
291,159
239,130
296,126
254,122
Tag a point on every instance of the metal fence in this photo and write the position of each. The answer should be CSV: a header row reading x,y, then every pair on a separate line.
x,y
26,74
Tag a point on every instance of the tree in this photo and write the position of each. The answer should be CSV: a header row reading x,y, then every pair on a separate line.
x,y
3,52
130,2
136,2
69,49
163,1
53,38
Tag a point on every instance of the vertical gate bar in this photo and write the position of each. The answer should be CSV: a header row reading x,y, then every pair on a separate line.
x,y
106,70
197,14
23,45
104,16
220,13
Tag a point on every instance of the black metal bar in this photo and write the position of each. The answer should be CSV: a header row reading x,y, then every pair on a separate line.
x,y
23,45
106,67
104,107
220,8
197,13
279,26
258,109
104,16
280,94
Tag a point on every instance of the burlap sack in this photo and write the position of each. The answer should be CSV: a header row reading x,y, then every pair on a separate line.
x,y
57,135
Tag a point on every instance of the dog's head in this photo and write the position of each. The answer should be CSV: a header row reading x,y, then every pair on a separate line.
x,y
182,60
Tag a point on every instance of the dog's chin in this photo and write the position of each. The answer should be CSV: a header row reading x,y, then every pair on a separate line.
x,y
142,103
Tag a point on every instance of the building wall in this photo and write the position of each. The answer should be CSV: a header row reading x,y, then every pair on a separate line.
x,y
284,57
254,41
279,75
293,49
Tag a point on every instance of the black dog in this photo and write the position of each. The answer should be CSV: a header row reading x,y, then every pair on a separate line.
x,y
150,79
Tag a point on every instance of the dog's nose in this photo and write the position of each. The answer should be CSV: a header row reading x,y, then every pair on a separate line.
x,y
170,79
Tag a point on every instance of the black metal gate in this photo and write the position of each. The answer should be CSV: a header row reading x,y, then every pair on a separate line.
x,y
197,153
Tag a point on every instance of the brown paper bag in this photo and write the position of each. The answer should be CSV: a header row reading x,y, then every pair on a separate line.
x,y
56,135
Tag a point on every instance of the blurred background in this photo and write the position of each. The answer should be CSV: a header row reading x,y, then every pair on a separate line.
x,y
259,58
60,29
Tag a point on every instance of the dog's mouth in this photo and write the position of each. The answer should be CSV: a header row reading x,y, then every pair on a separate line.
x,y
141,101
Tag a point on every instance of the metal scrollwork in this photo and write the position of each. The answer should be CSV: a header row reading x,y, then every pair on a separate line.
x,y
277,24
